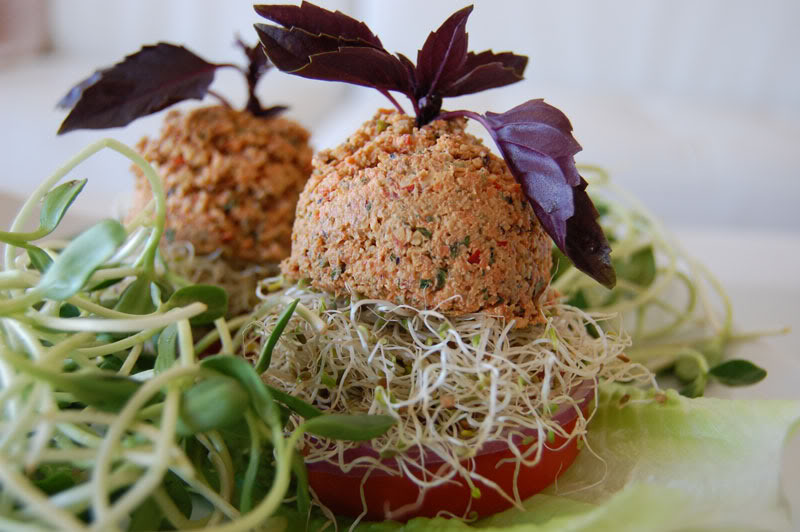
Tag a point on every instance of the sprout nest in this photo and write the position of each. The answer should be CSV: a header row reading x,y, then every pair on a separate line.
x,y
452,383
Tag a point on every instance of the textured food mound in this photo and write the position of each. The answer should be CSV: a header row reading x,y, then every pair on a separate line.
x,y
231,179
418,216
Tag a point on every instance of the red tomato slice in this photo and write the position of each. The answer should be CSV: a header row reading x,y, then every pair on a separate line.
x,y
396,497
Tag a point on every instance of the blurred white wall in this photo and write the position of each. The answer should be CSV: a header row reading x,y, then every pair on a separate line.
x,y
692,105
738,52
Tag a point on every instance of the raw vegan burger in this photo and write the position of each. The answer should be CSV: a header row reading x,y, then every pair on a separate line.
x,y
421,264
232,177
232,180
426,217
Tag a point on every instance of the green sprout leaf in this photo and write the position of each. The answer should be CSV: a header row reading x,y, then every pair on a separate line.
x,y
349,426
104,391
578,300
148,516
266,353
738,372
296,405
76,263
301,476
54,478
262,395
68,310
39,258
689,364
560,264
102,285
136,299
110,363
211,403
697,387
56,203
214,297
639,268
178,493
242,371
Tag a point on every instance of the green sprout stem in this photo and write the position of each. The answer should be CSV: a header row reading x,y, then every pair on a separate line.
x,y
185,344
152,321
148,257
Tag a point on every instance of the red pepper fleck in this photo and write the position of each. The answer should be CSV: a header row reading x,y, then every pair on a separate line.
x,y
409,188
475,257
178,161
502,243
496,185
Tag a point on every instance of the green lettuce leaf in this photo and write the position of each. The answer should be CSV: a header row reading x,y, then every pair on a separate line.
x,y
658,465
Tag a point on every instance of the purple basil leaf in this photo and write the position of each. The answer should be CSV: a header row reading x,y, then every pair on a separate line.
x,y
550,140
290,50
484,71
71,98
533,112
509,60
536,141
369,67
319,21
324,58
443,54
544,185
586,245
318,44
143,83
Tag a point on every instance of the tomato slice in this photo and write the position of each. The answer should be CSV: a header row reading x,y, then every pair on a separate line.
x,y
396,497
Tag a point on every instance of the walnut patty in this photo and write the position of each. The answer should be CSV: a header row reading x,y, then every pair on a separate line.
x,y
231,180
418,216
